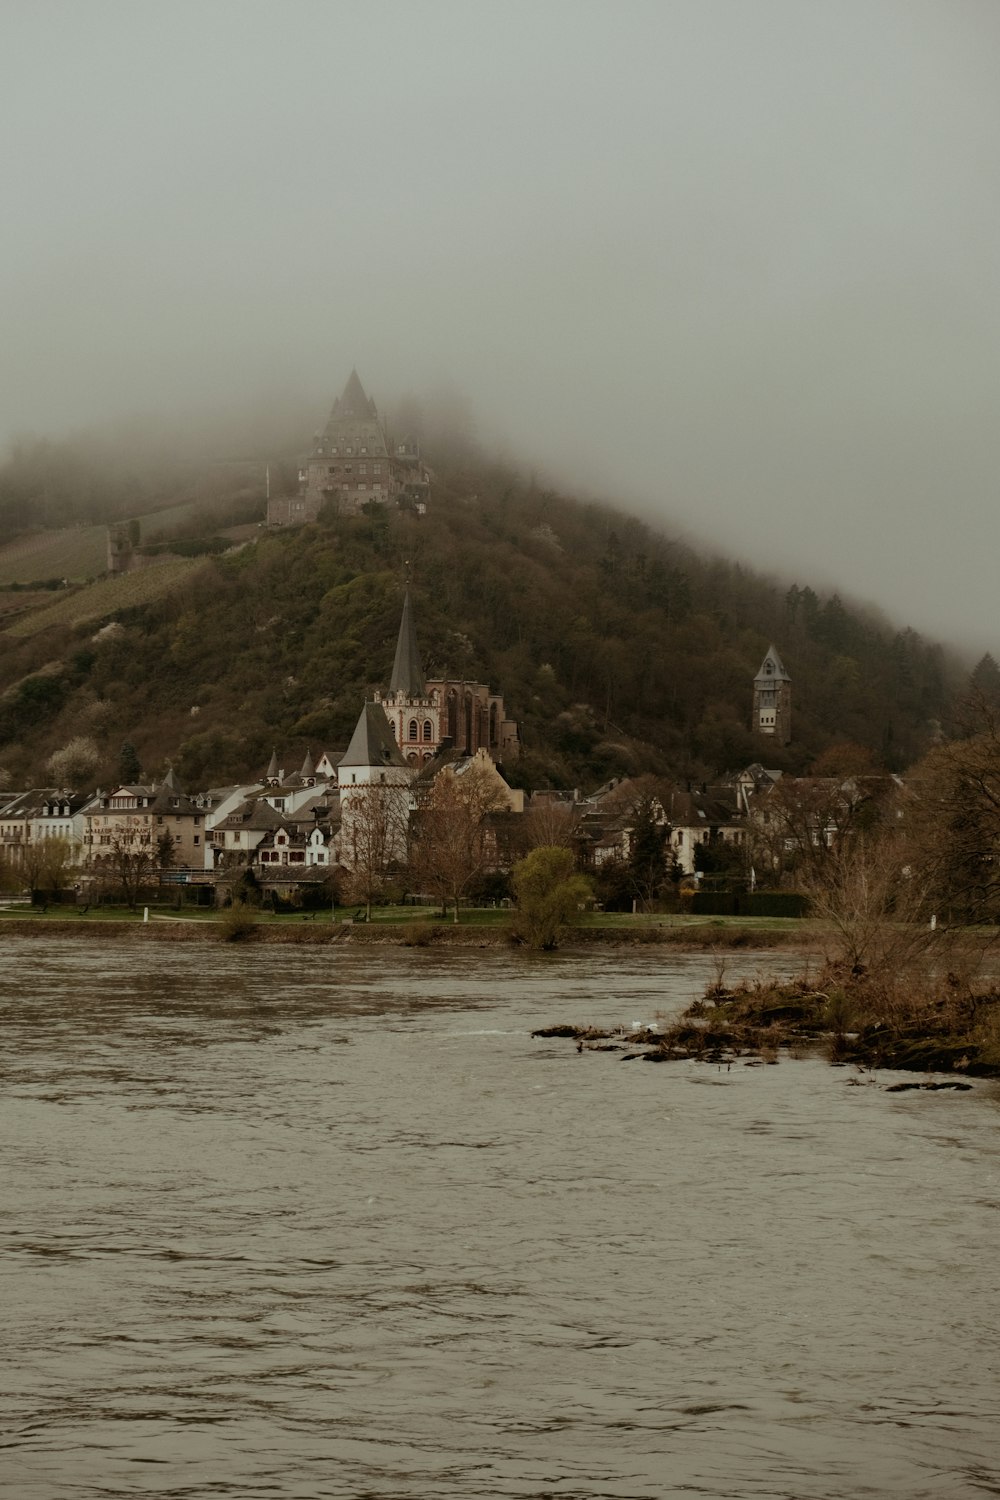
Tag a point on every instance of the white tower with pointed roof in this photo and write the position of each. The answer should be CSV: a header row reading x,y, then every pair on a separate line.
x,y
772,700
374,782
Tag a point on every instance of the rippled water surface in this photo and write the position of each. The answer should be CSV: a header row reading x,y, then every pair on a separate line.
x,y
295,1223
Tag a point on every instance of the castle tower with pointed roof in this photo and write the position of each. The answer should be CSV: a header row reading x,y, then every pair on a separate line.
x,y
772,700
351,464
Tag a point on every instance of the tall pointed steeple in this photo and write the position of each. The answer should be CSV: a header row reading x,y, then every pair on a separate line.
x,y
407,673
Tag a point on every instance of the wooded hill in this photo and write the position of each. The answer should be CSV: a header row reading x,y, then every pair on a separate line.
x,y
618,649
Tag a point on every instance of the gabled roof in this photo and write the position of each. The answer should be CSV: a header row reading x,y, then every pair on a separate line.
x,y
352,402
353,423
29,804
372,743
252,815
407,673
711,808
772,668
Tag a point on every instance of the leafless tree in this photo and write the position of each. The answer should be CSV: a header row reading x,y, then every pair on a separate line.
x,y
801,822
550,824
454,837
373,837
130,863
877,901
955,815
45,863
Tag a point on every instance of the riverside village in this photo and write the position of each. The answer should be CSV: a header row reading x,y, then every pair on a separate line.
x,y
341,822
417,806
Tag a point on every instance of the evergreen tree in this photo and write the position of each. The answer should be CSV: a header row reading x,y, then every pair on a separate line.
x,y
984,681
648,851
129,769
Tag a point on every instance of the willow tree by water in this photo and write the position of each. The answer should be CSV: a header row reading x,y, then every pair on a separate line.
x,y
549,895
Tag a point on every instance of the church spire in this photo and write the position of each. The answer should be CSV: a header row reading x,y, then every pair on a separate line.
x,y
407,673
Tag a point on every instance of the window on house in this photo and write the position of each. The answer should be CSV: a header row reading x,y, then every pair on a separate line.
x,y
428,731
412,732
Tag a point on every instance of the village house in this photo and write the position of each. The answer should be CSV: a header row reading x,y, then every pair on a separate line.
x,y
141,816
700,819
44,813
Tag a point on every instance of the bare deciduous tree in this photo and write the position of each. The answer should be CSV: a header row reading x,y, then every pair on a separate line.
x,y
956,818
45,863
877,901
550,824
454,840
130,862
373,837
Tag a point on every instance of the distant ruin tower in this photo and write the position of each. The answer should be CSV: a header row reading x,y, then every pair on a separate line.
x,y
121,546
772,700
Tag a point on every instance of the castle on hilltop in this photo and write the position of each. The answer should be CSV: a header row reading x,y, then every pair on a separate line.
x,y
353,463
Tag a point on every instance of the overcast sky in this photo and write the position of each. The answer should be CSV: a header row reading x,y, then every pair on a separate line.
x,y
733,263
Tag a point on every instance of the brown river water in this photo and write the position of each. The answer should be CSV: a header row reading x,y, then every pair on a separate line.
x,y
298,1223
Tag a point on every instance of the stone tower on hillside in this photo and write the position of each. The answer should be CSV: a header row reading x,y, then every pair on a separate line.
x,y
353,464
772,700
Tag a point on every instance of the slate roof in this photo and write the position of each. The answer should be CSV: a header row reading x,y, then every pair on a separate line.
x,y
407,672
255,816
777,671
354,422
353,402
372,743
